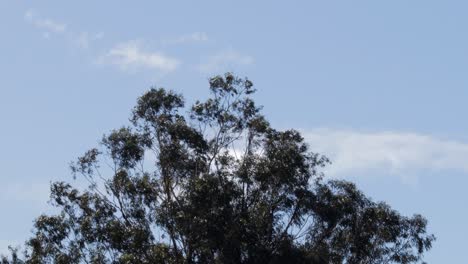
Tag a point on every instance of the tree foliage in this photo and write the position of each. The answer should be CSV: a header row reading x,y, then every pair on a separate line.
x,y
214,183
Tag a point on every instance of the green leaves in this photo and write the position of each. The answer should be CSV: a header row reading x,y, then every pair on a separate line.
x,y
366,231
86,164
156,103
125,147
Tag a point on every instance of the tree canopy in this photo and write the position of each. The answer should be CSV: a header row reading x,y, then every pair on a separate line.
x,y
214,183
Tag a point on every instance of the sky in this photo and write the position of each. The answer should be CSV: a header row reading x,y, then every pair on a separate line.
x,y
378,86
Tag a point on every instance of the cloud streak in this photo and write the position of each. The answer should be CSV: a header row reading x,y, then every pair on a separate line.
x,y
84,39
80,39
46,24
386,152
187,38
225,60
130,57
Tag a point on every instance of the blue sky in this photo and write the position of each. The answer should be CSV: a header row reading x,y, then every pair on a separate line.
x,y
380,87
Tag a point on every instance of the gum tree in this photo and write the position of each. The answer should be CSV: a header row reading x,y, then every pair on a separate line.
x,y
214,183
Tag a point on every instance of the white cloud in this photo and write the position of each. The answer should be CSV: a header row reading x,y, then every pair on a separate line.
x,y
130,56
187,38
84,39
224,61
387,152
48,27
46,24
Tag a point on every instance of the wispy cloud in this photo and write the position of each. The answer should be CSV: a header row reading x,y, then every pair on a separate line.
x,y
46,24
387,152
84,39
187,38
130,56
224,61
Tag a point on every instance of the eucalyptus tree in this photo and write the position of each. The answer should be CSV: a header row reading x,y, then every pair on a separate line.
x,y
214,183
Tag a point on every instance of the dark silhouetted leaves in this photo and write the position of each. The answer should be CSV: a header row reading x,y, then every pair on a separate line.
x,y
218,185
